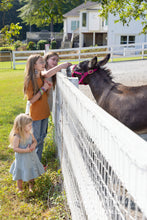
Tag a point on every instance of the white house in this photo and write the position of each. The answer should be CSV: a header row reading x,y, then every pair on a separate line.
x,y
119,34
84,21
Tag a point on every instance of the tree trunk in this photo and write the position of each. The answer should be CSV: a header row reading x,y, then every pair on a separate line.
x,y
52,27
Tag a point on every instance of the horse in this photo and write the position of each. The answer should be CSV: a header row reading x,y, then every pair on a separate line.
x,y
125,103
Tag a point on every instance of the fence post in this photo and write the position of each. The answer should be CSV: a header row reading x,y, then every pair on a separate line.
x,y
143,50
79,54
111,54
124,53
74,80
13,53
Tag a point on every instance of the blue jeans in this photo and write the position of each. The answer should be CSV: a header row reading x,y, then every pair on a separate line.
x,y
40,131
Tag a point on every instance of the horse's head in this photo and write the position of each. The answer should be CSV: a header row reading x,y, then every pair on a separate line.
x,y
85,68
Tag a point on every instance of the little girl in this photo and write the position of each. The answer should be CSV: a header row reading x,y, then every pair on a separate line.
x,y
36,89
26,165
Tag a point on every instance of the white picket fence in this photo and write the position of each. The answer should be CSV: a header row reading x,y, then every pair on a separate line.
x,y
20,57
79,54
104,164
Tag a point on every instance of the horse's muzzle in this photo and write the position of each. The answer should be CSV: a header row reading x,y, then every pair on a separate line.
x,y
69,71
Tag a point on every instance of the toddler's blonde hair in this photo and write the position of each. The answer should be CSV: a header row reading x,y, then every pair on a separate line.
x,y
20,122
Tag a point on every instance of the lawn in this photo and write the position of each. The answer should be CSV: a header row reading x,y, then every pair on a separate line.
x,y
48,201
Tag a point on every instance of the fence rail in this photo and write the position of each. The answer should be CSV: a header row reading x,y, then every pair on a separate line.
x,y
23,55
5,60
105,172
79,54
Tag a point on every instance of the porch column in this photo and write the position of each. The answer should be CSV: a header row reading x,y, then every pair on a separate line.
x,y
93,38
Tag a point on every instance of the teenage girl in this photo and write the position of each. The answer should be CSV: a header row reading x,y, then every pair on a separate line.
x,y
26,165
36,88
51,60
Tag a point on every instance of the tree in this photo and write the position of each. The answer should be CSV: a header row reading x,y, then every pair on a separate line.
x,y
126,9
9,32
45,12
5,5
41,12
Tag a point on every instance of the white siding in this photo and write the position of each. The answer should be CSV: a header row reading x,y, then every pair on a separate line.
x,y
94,22
67,26
115,30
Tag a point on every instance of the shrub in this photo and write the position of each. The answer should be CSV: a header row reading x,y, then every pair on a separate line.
x,y
31,46
22,47
53,44
17,44
5,49
41,44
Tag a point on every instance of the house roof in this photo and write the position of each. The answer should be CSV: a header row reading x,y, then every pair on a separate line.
x,y
75,11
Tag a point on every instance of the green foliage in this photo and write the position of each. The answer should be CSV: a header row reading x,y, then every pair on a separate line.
x,y
127,10
17,44
53,44
5,5
41,44
41,12
31,46
9,32
47,195
5,49
44,12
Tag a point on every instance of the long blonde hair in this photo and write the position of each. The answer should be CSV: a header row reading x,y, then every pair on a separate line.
x,y
30,73
46,57
20,122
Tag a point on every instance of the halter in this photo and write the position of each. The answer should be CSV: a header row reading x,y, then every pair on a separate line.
x,y
82,74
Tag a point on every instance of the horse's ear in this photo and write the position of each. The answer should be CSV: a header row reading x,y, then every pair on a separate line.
x,y
92,63
104,61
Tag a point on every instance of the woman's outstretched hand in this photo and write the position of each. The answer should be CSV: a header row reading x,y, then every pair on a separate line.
x,y
65,65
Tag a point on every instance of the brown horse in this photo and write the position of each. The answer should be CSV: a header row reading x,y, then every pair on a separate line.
x,y
127,104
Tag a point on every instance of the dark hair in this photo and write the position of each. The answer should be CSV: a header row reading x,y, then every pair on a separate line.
x,y
46,57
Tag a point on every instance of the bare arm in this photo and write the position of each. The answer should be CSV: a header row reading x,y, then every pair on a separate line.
x,y
16,148
46,86
34,143
55,69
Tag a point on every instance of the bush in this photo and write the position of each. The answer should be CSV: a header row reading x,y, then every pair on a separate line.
x,y
41,44
31,46
5,49
22,47
17,44
53,44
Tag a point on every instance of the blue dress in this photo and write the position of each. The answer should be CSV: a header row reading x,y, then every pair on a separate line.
x,y
26,166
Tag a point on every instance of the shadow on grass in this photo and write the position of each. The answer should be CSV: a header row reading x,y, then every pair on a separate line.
x,y
5,157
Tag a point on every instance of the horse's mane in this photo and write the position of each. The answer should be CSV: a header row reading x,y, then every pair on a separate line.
x,y
106,74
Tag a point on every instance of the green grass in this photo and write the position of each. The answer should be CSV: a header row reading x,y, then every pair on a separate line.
x,y
46,202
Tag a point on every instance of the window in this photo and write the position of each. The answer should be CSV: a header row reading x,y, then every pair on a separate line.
x,y
127,39
123,40
131,39
104,22
84,19
74,25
